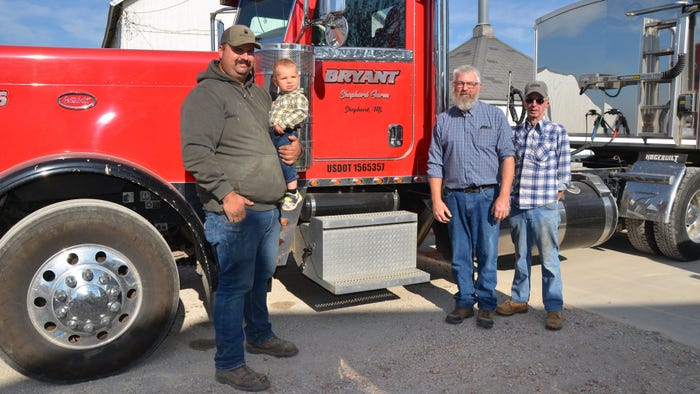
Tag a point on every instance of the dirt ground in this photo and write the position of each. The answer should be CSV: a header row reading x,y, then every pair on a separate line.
x,y
396,341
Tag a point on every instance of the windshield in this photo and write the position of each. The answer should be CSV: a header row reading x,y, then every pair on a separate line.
x,y
268,19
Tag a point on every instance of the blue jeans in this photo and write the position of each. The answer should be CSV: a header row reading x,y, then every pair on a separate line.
x,y
537,226
246,253
473,233
289,171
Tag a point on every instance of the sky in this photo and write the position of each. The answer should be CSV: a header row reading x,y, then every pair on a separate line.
x,y
81,23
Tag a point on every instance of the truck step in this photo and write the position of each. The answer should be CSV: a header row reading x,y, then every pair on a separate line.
x,y
408,276
359,252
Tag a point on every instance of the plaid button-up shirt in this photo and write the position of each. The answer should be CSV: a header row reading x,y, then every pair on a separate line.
x,y
467,147
290,109
542,163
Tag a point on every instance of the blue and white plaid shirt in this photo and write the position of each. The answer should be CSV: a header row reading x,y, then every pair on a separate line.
x,y
542,163
468,147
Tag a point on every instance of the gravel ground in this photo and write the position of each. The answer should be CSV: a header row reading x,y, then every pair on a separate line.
x,y
396,341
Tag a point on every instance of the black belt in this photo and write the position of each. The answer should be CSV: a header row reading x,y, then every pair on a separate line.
x,y
474,189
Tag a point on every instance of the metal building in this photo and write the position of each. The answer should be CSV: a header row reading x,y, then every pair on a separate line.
x,y
162,24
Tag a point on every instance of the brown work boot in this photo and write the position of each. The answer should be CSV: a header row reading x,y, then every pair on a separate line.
x,y
510,307
484,319
274,347
243,378
554,321
459,314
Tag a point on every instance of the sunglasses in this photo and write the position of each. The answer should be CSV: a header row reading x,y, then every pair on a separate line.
x,y
538,100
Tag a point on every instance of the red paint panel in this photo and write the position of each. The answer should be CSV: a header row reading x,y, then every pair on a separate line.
x,y
136,112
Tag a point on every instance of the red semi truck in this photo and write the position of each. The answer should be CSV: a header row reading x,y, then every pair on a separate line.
x,y
97,211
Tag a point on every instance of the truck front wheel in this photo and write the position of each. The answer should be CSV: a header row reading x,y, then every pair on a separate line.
x,y
680,239
88,287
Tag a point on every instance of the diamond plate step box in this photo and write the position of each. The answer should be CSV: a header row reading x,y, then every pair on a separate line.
x,y
359,252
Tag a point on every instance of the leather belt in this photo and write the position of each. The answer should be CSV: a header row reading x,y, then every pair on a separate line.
x,y
474,189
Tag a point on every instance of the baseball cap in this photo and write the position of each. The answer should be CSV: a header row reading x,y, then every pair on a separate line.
x,y
538,87
239,35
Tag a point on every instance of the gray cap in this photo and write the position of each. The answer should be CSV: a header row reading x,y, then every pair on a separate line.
x,y
536,87
239,35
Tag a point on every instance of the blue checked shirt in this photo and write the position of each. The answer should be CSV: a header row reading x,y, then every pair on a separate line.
x,y
467,147
542,163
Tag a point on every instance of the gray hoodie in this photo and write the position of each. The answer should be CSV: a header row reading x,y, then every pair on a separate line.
x,y
225,141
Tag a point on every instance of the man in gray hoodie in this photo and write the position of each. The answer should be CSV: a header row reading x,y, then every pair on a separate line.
x,y
227,148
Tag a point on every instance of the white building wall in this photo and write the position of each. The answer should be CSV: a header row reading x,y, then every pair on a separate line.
x,y
567,106
167,24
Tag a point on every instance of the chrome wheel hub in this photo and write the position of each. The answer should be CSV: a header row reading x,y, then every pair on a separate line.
x,y
84,296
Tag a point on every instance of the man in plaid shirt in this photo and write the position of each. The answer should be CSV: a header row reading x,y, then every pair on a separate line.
x,y
542,173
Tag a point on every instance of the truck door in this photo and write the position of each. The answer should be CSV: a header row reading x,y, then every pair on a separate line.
x,y
363,99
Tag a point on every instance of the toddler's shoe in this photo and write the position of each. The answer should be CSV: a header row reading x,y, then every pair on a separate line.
x,y
291,200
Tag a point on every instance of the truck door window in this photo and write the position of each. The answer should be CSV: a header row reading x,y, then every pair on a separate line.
x,y
268,19
373,23
389,27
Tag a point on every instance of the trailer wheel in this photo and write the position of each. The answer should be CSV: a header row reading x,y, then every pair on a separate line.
x,y
88,287
680,239
641,235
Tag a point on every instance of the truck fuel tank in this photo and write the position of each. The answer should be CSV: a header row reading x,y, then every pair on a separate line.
x,y
588,216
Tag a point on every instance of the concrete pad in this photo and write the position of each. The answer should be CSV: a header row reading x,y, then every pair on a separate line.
x,y
615,281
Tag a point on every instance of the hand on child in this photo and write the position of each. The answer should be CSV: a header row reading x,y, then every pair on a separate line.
x,y
279,130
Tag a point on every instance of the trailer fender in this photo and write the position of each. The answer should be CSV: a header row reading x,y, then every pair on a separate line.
x,y
651,187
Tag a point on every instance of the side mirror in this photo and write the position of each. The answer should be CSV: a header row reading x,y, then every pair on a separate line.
x,y
331,22
336,30
216,25
219,32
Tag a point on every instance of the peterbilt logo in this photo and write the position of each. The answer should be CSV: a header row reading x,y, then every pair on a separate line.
x,y
387,77
77,100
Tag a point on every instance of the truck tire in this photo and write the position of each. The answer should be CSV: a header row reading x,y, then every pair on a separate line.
x,y
680,239
88,288
640,233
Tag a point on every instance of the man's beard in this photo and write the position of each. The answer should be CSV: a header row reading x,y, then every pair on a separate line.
x,y
464,103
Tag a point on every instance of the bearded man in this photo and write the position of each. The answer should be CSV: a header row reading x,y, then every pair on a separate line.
x,y
470,171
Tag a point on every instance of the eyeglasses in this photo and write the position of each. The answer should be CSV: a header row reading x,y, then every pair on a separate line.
x,y
538,100
460,84
238,51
